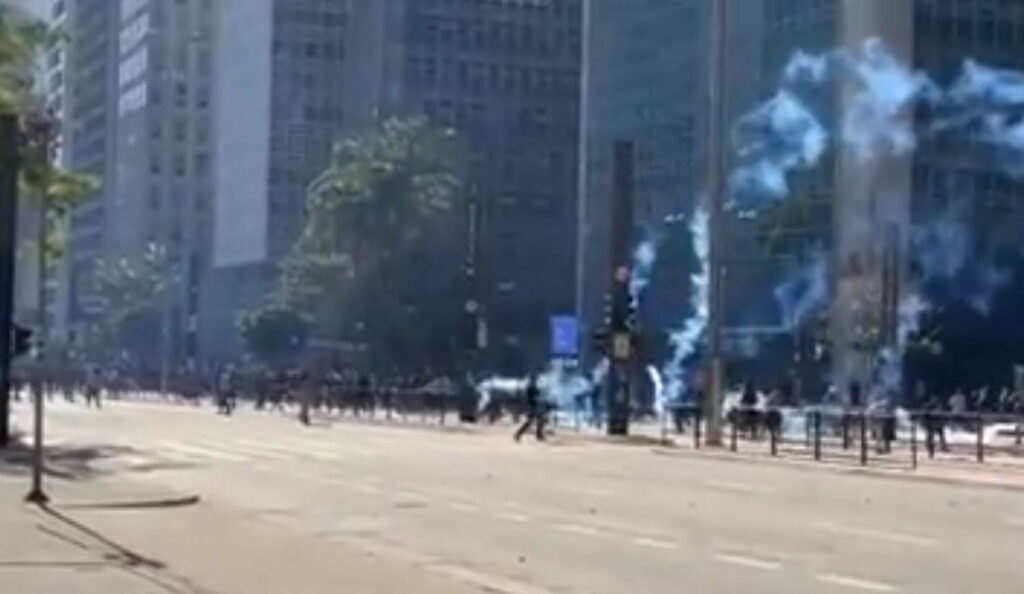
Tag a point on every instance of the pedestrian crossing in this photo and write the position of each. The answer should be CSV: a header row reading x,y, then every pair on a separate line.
x,y
237,450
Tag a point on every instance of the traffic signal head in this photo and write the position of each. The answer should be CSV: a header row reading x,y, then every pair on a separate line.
x,y
600,339
21,341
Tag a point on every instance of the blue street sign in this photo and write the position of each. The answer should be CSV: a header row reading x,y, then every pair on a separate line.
x,y
565,336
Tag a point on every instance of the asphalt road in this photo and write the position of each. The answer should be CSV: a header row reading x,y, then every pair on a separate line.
x,y
566,516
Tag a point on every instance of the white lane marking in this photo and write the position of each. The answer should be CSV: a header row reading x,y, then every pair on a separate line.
x,y
462,506
409,495
748,562
201,453
486,582
231,449
737,487
261,450
884,535
655,543
846,581
1015,522
579,529
513,517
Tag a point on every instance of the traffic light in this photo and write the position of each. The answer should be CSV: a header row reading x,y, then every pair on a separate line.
x,y
600,340
21,341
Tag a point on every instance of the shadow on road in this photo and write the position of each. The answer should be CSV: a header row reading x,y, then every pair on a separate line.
x,y
75,462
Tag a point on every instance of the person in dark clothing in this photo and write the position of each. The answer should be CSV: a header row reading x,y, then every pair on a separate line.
x,y
935,424
534,411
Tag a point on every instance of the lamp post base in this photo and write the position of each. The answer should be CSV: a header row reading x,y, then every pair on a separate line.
x,y
37,497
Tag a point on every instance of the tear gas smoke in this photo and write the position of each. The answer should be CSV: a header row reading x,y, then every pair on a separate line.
x,y
683,342
644,257
804,291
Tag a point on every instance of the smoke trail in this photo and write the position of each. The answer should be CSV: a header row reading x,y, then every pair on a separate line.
x,y
805,290
946,264
563,385
987,102
659,389
644,257
683,342
804,67
777,137
878,114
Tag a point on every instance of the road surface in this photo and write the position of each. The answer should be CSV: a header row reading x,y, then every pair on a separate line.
x,y
569,516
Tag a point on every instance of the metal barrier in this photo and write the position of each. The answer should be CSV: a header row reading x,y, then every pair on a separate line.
x,y
880,436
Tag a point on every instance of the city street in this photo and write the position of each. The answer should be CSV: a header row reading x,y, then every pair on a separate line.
x,y
471,510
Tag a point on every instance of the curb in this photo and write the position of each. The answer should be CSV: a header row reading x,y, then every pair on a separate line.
x,y
173,502
811,466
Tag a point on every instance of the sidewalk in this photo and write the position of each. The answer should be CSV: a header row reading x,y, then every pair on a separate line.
x,y
110,536
1002,472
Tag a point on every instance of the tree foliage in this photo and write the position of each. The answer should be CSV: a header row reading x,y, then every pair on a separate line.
x,y
22,42
131,293
377,259
273,334
22,38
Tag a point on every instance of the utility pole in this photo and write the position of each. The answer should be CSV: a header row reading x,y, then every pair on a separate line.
x,y
40,130
620,348
715,196
8,217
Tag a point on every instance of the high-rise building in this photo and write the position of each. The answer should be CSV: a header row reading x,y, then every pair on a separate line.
x,y
646,81
139,113
646,77
296,76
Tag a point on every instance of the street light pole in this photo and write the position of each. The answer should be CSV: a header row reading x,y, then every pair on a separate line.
x,y
715,197
8,217
40,131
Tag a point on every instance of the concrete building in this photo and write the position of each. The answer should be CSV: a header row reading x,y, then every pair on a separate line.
x,y
139,114
645,80
296,76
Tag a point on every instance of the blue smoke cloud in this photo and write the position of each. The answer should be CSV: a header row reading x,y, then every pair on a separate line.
x,y
804,291
644,257
683,341
777,137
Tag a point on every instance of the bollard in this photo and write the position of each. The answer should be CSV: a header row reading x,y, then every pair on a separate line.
x,y
817,435
981,438
846,431
808,428
863,438
444,409
696,428
913,444
734,433
774,440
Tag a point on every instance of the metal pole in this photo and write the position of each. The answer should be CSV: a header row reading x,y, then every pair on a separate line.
x,y
981,438
36,495
8,222
774,435
913,443
817,435
715,196
698,418
863,438
734,431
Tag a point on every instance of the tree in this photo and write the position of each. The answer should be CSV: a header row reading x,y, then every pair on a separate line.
x,y
131,293
273,334
55,190
21,41
379,258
